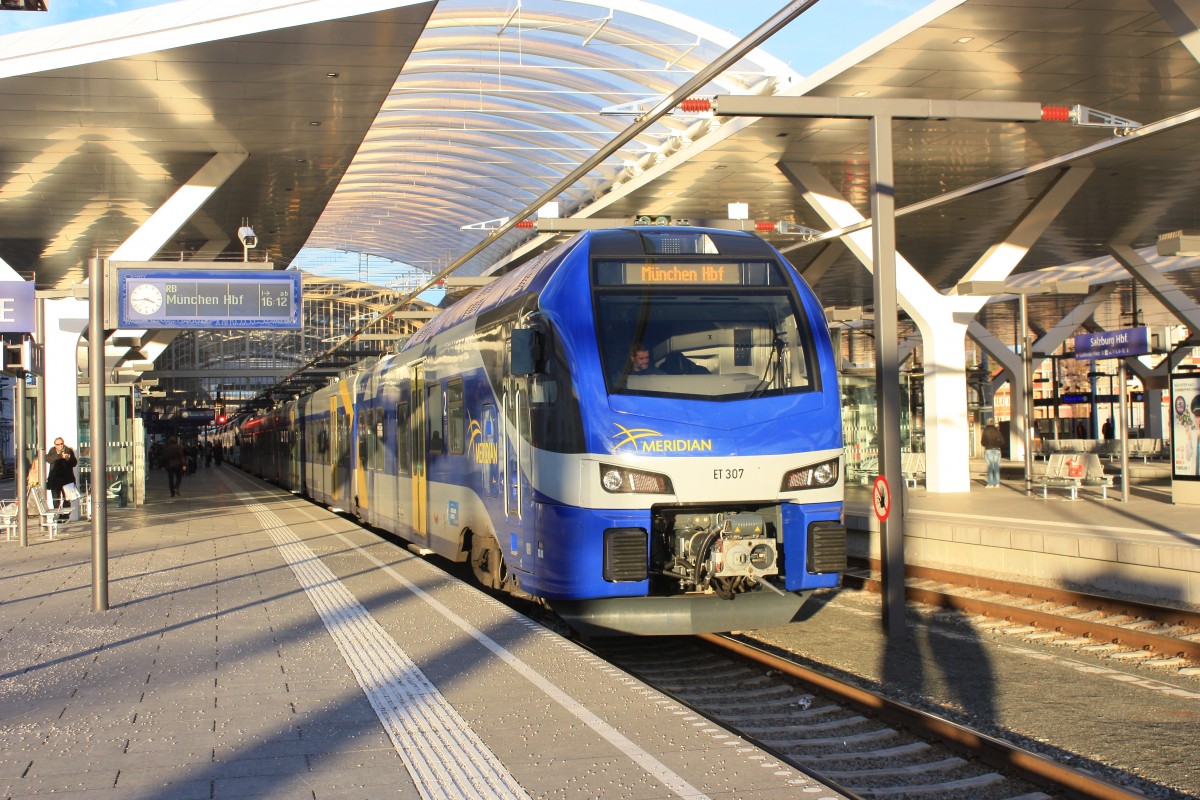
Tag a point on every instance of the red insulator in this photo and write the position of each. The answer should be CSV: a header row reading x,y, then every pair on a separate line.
x,y
764,226
696,104
525,223
1056,114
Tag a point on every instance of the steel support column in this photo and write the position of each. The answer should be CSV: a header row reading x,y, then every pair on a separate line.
x,y
20,472
99,435
1027,395
1122,376
887,368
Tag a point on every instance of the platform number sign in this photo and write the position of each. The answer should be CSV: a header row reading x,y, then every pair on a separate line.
x,y
881,498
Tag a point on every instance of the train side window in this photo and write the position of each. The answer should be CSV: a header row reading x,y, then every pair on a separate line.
x,y
380,436
403,467
455,418
435,416
366,435
373,440
364,438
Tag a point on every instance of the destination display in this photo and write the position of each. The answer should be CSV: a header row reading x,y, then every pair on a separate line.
x,y
235,298
686,273
682,273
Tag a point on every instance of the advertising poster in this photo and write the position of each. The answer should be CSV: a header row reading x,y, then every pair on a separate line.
x,y
1185,429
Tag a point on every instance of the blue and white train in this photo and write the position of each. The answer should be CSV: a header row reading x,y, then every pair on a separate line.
x,y
703,494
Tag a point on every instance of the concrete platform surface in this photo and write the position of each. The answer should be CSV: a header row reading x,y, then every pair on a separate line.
x,y
260,646
1147,548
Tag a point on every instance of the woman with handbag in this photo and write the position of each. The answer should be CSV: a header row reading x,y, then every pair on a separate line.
x,y
61,462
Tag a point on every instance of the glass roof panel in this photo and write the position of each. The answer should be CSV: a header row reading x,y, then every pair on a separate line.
x,y
498,102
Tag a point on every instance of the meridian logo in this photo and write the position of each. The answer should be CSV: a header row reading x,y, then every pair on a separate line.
x,y
484,452
648,441
631,436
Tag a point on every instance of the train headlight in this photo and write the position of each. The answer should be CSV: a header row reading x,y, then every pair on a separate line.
x,y
621,480
817,476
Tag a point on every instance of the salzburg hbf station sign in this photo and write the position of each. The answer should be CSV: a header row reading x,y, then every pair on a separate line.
x,y
1113,344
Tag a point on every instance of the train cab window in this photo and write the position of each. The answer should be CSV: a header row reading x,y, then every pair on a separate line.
x,y
403,466
456,425
712,329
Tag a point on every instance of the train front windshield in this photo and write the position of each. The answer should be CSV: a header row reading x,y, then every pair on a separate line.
x,y
710,329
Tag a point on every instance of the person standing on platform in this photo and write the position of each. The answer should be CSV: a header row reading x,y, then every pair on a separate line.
x,y
61,461
218,453
1107,430
992,442
173,461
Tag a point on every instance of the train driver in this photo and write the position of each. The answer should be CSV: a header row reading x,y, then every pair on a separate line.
x,y
639,362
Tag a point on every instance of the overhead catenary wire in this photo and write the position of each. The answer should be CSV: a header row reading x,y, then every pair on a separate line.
x,y
702,77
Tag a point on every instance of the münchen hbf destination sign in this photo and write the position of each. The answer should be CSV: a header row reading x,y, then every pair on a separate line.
x,y
208,298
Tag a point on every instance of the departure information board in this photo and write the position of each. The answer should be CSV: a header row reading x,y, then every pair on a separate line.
x,y
191,298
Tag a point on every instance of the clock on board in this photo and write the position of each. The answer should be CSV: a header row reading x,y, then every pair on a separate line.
x,y
146,298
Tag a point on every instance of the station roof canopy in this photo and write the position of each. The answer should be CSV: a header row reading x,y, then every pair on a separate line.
x,y
1122,58
102,121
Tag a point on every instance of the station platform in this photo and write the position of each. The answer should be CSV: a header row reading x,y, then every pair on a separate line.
x,y
1148,548
258,645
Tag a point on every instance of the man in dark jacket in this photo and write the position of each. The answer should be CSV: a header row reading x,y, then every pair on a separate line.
x,y
60,461
993,440
173,460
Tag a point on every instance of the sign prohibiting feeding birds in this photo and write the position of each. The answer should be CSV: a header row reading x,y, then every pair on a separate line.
x,y
881,498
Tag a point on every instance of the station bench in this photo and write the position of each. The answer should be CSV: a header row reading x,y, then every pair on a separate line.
x,y
1058,475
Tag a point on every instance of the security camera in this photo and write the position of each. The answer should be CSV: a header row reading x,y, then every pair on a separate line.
x,y
249,239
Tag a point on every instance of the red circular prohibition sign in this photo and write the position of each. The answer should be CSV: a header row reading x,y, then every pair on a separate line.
x,y
881,498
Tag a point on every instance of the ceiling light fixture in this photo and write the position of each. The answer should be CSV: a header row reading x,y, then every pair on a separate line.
x,y
1179,243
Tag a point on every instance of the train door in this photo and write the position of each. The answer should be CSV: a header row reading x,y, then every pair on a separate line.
x,y
517,465
419,453
344,471
402,488
334,448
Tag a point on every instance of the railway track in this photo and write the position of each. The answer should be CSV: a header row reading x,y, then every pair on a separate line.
x,y
859,742
1121,629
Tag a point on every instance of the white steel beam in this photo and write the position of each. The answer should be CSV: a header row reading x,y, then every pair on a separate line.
x,y
1184,21
1013,374
165,222
825,259
1002,257
1160,285
940,320
1068,325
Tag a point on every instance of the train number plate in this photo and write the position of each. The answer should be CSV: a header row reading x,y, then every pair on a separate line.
x,y
728,474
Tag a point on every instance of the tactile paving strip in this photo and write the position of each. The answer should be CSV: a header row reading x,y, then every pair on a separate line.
x,y
443,754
